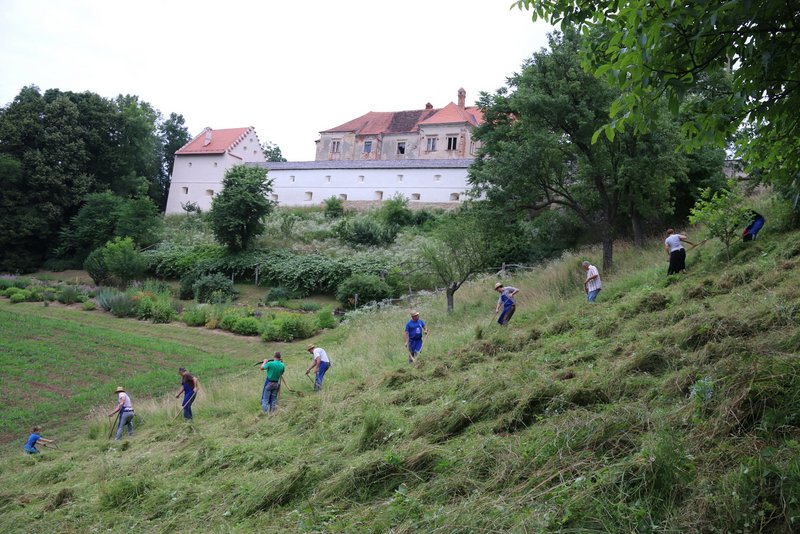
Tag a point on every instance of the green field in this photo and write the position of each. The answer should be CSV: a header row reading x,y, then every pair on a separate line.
x,y
670,405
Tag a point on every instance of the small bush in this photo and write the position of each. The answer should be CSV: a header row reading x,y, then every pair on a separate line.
x,y
246,326
104,296
310,306
95,265
395,211
88,305
289,328
197,316
325,319
366,230
122,305
163,312
20,296
334,207
229,318
368,287
214,288
279,294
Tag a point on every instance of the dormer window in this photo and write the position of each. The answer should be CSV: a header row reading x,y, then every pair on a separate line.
x,y
367,147
401,148
452,142
336,146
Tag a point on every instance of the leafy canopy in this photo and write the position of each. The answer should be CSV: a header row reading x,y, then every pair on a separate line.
x,y
652,48
237,212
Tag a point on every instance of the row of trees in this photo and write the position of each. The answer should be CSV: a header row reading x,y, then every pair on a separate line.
x,y
58,147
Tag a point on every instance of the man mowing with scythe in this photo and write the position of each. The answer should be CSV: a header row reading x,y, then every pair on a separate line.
x,y
189,387
272,386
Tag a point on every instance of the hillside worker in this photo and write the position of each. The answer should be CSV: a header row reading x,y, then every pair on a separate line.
x,y
33,439
189,387
677,254
507,301
756,223
125,409
275,369
592,285
320,362
415,328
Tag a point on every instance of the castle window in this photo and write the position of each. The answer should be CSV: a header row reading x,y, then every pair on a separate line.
x,y
291,178
437,177
378,195
414,196
210,192
309,195
401,148
215,164
432,144
185,190
361,178
454,197
328,178
399,177
336,147
452,142
342,197
367,147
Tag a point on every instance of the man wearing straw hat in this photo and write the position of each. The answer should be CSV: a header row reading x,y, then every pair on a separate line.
x,y
321,363
125,409
415,328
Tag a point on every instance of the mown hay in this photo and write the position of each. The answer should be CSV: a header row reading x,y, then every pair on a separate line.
x,y
533,404
61,498
655,361
451,420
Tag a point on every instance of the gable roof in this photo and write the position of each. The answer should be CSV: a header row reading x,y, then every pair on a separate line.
x,y
388,122
221,141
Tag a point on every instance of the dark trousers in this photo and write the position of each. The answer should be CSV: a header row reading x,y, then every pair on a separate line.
x,y
677,261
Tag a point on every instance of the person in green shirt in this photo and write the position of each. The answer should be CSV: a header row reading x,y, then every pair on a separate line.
x,y
275,369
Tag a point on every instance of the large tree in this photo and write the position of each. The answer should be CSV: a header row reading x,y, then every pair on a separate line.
x,y
538,152
653,48
237,212
173,134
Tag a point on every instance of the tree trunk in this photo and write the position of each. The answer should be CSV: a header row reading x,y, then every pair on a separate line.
x,y
636,225
608,252
451,290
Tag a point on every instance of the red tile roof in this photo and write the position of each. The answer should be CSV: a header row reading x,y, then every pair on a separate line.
x,y
221,141
383,122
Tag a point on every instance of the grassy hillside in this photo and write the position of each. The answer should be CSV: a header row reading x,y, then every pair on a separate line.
x,y
670,405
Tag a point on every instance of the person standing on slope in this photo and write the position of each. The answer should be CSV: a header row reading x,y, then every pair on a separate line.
x,y
321,363
415,328
677,254
275,369
189,387
506,300
125,409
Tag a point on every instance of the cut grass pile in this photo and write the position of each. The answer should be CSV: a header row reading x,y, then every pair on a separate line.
x,y
670,405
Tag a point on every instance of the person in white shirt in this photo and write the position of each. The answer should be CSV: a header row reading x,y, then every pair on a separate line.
x,y
321,363
677,254
592,285
125,410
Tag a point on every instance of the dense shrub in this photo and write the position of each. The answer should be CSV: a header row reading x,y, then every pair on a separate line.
x,y
69,295
246,326
279,294
214,288
176,261
334,207
366,230
95,266
163,311
104,296
325,319
230,317
289,327
368,287
196,316
123,261
21,295
122,305
7,281
395,211
310,306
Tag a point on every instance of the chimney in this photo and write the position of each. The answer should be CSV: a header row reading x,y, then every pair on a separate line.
x,y
462,96
428,106
207,138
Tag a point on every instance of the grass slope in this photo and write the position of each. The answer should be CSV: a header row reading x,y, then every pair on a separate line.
x,y
671,405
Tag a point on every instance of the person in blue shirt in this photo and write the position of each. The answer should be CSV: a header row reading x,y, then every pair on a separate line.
x,y
33,439
415,328
189,387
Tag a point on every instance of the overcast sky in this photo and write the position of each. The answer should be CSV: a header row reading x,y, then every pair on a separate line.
x,y
289,68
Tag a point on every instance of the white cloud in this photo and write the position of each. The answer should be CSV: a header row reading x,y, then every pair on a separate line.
x,y
290,69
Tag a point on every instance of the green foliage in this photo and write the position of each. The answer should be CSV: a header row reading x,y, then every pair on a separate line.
x,y
124,491
648,53
246,326
279,294
95,266
366,230
723,214
123,261
334,207
104,296
176,261
272,151
237,211
196,315
289,327
366,288
395,211
69,295
325,319
122,305
214,288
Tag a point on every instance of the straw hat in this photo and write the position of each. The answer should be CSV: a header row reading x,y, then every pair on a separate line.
x,y
120,389
414,313
498,285
311,347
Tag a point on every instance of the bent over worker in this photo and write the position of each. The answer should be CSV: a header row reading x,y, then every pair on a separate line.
x,y
677,254
125,409
189,387
506,299
321,363
33,439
